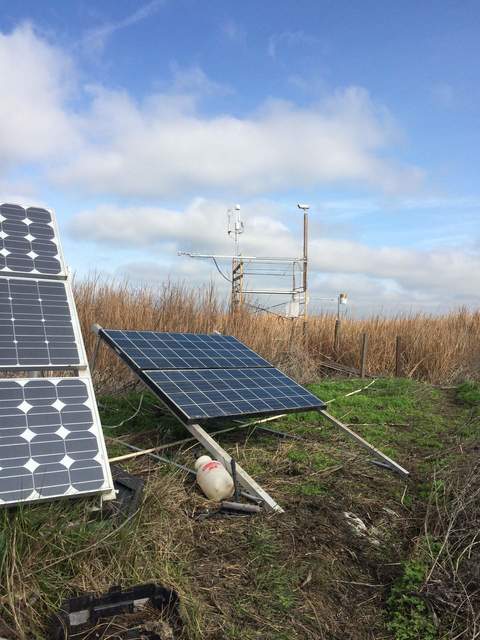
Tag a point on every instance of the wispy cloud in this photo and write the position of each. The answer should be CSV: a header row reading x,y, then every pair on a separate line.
x,y
194,80
95,39
289,39
232,31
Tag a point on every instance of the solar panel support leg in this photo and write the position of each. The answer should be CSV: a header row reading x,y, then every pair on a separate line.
x,y
388,461
220,454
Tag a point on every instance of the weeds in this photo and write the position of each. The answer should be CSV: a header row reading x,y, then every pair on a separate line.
x,y
410,616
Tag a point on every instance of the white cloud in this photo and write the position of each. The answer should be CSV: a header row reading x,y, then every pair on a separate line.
x,y
448,271
166,145
37,79
201,226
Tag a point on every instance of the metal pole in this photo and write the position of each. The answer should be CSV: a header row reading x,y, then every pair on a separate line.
x,y
305,270
388,461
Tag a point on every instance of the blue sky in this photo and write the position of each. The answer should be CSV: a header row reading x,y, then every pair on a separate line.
x,y
140,123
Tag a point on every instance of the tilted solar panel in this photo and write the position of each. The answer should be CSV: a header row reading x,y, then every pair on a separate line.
x,y
51,443
227,393
208,376
28,242
36,328
154,350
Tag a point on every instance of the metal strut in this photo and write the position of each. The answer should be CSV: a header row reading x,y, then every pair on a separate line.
x,y
391,464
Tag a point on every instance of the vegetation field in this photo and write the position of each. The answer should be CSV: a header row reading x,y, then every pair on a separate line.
x,y
437,349
358,554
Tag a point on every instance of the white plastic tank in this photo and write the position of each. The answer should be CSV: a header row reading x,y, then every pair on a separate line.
x,y
213,479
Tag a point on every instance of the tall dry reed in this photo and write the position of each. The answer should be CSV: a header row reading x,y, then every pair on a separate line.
x,y
439,349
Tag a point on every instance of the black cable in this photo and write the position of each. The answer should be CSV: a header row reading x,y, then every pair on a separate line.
x,y
220,271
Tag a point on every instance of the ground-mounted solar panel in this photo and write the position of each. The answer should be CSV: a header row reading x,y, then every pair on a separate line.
x,y
201,394
28,241
36,326
208,376
198,378
51,442
154,350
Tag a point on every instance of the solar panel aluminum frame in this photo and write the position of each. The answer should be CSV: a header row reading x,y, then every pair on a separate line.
x,y
108,490
64,272
82,354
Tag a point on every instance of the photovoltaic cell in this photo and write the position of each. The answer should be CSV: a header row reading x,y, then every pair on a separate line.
x,y
27,241
153,350
227,393
36,327
51,444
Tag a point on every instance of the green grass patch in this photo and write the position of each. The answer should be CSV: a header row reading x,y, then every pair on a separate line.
x,y
305,458
410,617
396,415
468,394
310,488
275,582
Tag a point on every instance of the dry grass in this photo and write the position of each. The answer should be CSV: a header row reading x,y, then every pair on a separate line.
x,y
437,349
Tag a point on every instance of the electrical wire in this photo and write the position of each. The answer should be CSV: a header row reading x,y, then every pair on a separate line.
x,y
220,271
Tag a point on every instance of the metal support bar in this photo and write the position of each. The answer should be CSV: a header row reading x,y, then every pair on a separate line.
x,y
220,454
391,463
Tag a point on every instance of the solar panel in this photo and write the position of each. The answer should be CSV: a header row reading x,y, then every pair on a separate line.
x,y
227,393
51,442
36,328
153,350
208,376
28,242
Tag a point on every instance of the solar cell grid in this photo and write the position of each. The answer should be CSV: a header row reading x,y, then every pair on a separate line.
x,y
50,441
153,350
36,328
27,241
215,393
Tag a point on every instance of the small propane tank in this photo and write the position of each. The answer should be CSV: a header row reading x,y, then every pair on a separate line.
x,y
214,480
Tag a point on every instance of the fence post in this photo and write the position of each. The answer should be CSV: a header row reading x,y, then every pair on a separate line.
x,y
336,336
398,357
363,354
